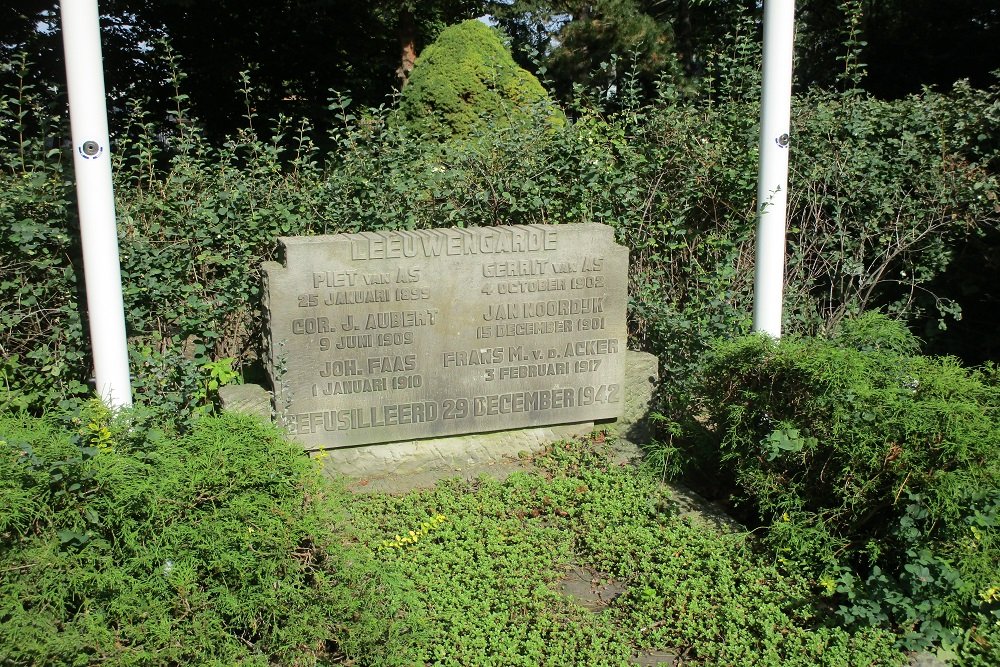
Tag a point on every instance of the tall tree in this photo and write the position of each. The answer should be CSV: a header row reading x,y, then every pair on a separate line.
x,y
928,42
32,27
298,50
417,23
900,45
295,51
596,43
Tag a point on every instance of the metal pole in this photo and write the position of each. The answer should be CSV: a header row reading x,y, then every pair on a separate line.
x,y
772,178
98,232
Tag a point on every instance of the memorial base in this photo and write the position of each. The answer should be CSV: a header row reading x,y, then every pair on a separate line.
x,y
461,452
453,453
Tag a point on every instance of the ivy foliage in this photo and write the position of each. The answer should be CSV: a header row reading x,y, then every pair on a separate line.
x,y
468,80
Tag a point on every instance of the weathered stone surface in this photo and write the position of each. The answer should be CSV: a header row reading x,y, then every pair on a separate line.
x,y
445,454
592,590
655,657
398,336
449,454
452,454
642,371
247,398
926,659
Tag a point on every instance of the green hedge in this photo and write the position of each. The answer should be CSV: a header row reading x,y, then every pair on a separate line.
x,y
879,467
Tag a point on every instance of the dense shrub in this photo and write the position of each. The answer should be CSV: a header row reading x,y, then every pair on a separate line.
x,y
467,79
122,545
41,356
880,467
876,213
882,194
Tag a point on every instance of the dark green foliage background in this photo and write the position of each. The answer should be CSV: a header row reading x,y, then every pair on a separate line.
x,y
883,195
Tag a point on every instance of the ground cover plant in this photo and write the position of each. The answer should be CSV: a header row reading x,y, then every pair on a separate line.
x,y
128,545
125,545
485,557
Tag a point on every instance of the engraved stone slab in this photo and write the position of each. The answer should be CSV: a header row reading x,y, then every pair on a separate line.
x,y
395,336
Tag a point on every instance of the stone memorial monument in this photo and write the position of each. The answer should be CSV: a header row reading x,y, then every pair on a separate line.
x,y
395,336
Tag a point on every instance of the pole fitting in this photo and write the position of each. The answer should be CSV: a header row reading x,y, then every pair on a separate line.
x,y
90,149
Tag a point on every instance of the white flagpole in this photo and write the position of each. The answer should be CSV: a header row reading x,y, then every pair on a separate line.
x,y
772,179
98,232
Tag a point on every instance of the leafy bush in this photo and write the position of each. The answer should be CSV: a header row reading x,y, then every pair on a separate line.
x,y
467,79
877,210
863,458
876,213
125,545
40,323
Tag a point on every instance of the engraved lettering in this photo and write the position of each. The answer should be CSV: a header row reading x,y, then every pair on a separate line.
x,y
396,364
408,334
472,357
339,368
396,319
362,418
412,293
591,347
357,296
334,279
310,325
533,267
355,342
